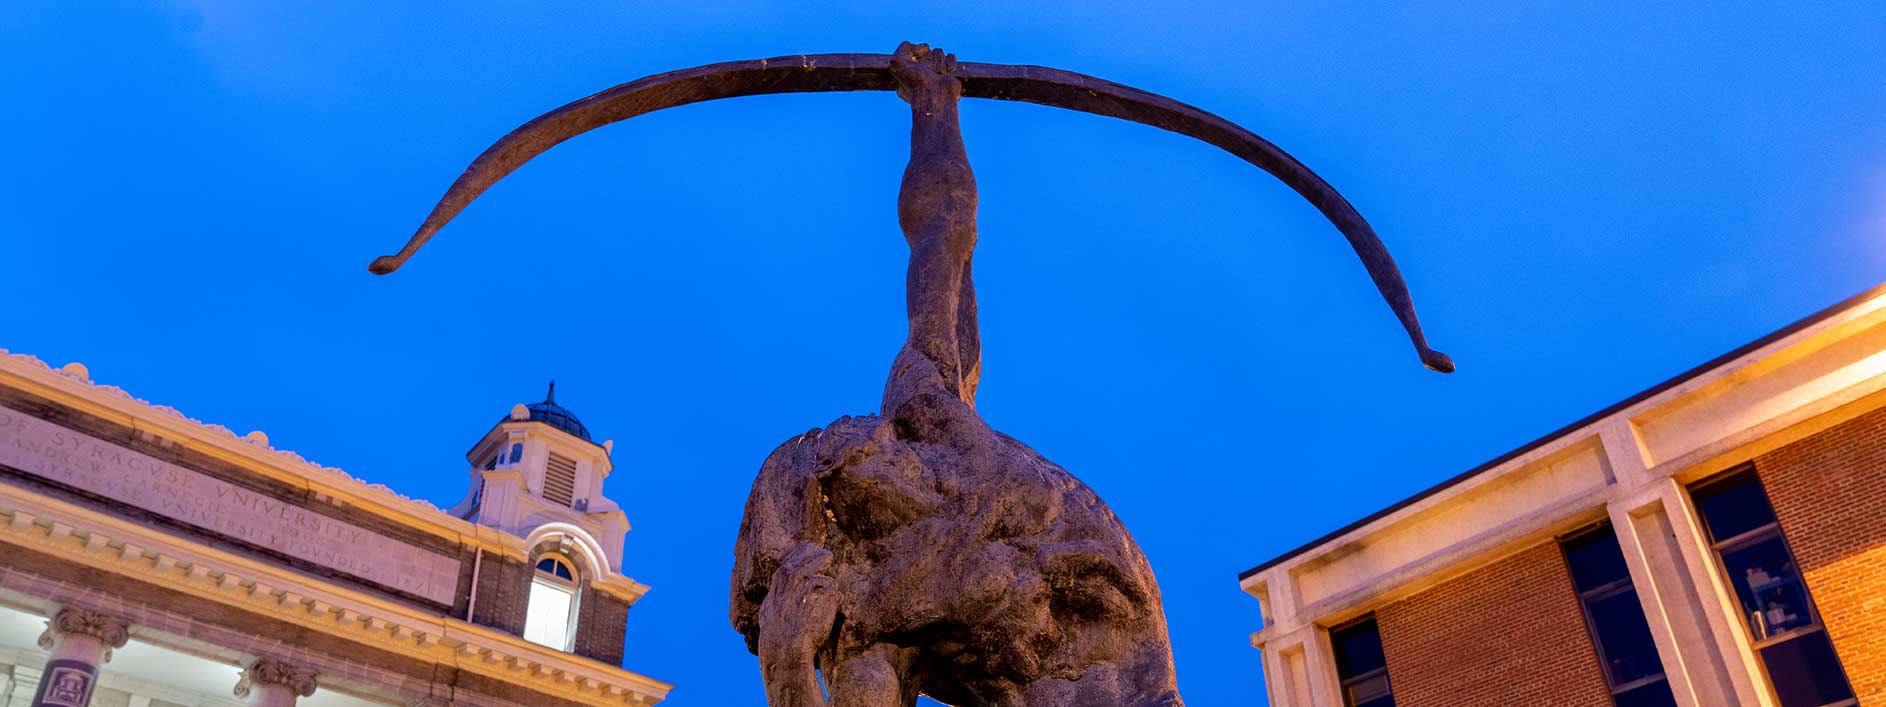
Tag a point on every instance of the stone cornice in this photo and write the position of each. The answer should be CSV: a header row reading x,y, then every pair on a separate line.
x,y
1639,453
78,379
621,587
72,385
594,450
115,545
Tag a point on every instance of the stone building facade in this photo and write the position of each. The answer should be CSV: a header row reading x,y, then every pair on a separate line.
x,y
1718,540
150,560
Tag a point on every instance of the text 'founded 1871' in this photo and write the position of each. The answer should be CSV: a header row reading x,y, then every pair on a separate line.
x,y
81,461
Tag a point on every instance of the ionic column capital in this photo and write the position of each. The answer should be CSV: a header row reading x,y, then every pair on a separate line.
x,y
111,631
269,671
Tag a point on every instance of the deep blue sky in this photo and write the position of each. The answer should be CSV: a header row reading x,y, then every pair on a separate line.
x,y
1584,201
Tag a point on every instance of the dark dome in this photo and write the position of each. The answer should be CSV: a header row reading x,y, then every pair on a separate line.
x,y
554,415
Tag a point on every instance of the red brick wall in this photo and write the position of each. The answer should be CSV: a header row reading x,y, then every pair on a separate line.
x,y
601,626
1510,633
503,594
504,600
1829,491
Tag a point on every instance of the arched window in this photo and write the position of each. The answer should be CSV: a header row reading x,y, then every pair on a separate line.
x,y
556,567
550,619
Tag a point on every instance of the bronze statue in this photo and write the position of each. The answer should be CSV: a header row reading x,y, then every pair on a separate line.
x,y
919,551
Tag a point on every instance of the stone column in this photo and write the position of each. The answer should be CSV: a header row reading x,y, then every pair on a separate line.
x,y
1291,678
1300,669
268,682
1691,618
1673,607
80,641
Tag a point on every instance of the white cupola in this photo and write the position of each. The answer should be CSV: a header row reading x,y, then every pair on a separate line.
x,y
538,466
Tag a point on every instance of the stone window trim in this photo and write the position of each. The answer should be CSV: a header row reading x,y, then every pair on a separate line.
x,y
238,580
576,543
571,551
565,553
585,554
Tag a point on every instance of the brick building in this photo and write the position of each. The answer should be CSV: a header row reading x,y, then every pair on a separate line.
x,y
1718,540
151,560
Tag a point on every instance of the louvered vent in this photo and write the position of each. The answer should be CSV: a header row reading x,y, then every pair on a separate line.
x,y
560,481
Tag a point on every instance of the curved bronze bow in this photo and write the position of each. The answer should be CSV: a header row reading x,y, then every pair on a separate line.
x,y
871,72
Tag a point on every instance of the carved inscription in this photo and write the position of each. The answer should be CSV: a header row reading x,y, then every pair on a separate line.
x,y
78,460
66,683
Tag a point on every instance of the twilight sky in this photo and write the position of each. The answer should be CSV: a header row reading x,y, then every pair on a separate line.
x,y
1584,202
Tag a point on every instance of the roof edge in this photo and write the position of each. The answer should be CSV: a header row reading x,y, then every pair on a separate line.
x,y
553,428
1679,379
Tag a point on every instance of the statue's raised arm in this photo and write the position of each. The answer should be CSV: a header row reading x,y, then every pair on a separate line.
x,y
919,551
872,72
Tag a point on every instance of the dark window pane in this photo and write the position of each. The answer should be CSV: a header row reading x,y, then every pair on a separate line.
x,y
1358,649
1369,692
1595,560
1805,672
552,567
1769,587
1624,637
1734,507
1656,694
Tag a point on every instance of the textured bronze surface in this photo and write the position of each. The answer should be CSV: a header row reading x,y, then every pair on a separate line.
x,y
919,551
871,72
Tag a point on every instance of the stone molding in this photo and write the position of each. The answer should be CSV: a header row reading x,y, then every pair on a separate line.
x,y
1628,464
73,383
113,632
89,537
257,439
269,671
1784,388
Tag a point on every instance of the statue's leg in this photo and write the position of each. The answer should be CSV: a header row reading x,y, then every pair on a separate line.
x,y
796,621
874,678
937,210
